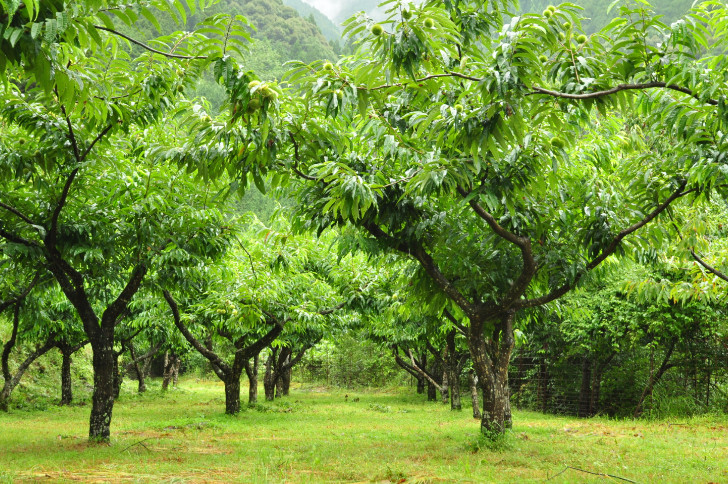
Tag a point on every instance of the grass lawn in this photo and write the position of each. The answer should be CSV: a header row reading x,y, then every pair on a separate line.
x,y
316,435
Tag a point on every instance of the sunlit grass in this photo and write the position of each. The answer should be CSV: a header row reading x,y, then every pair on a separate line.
x,y
318,435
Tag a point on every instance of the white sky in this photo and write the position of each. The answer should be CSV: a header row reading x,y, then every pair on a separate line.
x,y
330,8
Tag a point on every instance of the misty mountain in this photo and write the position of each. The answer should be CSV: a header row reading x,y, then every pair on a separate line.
x,y
330,30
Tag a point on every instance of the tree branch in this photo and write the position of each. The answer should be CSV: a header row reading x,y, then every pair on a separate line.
x,y
298,159
622,87
209,354
20,297
17,213
8,346
325,312
609,250
116,308
427,263
710,268
422,372
463,330
16,239
519,286
403,364
255,348
95,140
150,49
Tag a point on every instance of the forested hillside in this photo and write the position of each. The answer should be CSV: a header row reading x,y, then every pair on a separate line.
x,y
596,10
330,30
289,34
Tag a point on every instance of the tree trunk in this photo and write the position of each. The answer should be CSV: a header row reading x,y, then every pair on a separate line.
x,y
585,392
421,380
175,370
654,379
445,387
431,388
66,383
507,415
286,381
473,379
455,400
454,376
142,387
166,373
281,370
252,372
269,384
171,370
421,364
118,376
147,365
491,357
420,384
105,373
232,395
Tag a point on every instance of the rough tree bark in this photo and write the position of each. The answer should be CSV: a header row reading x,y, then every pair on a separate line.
x,y
251,370
286,381
491,357
66,380
473,379
167,369
67,352
141,363
277,380
281,370
455,365
269,384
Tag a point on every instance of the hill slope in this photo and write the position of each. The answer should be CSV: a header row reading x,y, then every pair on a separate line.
x,y
330,30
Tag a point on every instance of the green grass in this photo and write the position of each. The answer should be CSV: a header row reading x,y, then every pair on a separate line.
x,y
316,436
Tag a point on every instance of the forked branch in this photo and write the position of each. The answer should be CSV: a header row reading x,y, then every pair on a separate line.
x,y
606,252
